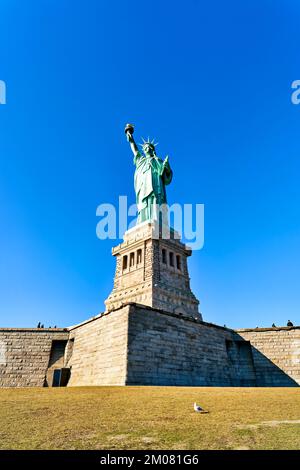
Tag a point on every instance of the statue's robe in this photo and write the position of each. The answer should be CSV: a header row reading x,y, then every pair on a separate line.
x,y
150,178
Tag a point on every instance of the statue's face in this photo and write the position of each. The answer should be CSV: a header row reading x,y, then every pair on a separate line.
x,y
148,149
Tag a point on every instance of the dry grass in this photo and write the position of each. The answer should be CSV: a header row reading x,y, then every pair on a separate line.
x,y
149,418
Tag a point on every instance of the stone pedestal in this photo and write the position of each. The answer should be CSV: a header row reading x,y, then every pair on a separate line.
x,y
152,270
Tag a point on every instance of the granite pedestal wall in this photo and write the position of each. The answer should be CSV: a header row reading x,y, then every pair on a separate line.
x,y
99,354
153,270
25,355
276,355
171,349
138,345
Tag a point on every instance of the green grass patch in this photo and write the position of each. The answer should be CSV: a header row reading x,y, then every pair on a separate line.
x,y
149,418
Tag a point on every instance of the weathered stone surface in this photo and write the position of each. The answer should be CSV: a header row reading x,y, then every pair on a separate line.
x,y
100,350
166,349
276,355
153,271
140,345
25,354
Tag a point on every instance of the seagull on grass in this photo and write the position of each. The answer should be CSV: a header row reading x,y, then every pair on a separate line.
x,y
198,409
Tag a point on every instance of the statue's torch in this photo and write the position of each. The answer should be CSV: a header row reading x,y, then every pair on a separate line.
x,y
129,129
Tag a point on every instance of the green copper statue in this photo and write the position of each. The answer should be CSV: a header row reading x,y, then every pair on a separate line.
x,y
151,176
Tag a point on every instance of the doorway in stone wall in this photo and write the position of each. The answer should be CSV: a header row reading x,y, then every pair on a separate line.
x,y
57,374
61,377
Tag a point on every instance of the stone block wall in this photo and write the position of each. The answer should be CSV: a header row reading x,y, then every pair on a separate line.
x,y
140,345
100,350
25,354
276,355
168,349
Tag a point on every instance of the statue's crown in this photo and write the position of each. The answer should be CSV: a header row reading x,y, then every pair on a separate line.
x,y
149,142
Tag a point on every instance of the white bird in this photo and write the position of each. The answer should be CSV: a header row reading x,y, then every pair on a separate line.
x,y
198,408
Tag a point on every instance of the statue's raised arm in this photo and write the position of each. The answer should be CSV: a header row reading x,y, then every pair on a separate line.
x,y
129,129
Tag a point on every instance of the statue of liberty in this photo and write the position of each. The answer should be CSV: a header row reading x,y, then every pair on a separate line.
x,y
151,176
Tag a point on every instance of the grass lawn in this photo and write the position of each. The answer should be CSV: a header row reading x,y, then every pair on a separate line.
x,y
149,418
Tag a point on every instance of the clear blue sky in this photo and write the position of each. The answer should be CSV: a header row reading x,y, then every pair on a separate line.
x,y
212,82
